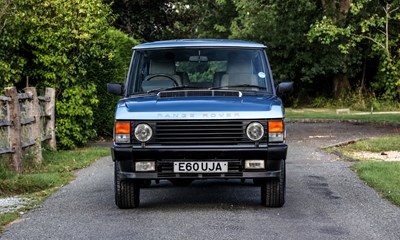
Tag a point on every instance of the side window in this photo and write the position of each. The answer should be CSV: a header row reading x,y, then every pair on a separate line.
x,y
137,72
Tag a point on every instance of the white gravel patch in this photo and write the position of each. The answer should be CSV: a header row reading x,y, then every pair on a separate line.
x,y
12,204
383,156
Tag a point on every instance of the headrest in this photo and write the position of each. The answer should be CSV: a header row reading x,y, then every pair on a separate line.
x,y
166,67
240,65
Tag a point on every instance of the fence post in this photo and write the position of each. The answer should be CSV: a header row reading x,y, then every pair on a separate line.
x,y
50,111
15,129
35,126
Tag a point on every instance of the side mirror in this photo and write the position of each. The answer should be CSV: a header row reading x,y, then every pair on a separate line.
x,y
285,87
115,88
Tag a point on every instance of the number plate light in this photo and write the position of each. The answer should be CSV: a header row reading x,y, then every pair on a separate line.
x,y
145,166
254,164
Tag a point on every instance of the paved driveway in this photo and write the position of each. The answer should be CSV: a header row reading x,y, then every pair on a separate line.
x,y
325,200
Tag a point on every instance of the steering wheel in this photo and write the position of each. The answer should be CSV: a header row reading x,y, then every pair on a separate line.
x,y
163,75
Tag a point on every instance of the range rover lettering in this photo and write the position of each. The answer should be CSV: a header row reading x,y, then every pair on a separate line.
x,y
199,109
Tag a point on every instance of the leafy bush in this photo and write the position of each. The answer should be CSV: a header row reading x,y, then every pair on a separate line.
x,y
357,101
322,102
62,44
111,71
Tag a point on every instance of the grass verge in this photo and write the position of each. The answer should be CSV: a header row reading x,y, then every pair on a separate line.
x,y
381,144
309,113
37,182
380,175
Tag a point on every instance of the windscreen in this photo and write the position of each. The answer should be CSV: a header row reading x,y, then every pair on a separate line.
x,y
203,68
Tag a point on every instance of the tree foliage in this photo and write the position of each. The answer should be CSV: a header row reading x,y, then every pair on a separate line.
x,y
110,71
10,64
213,18
283,28
372,25
58,44
5,7
147,20
261,21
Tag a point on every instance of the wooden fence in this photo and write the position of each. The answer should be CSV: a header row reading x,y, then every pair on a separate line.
x,y
26,120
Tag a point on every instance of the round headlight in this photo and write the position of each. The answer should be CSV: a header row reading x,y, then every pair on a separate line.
x,y
143,132
255,131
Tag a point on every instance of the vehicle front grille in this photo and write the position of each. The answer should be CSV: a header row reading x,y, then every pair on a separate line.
x,y
218,132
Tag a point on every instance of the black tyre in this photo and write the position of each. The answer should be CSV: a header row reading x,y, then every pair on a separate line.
x,y
181,182
258,181
273,189
127,192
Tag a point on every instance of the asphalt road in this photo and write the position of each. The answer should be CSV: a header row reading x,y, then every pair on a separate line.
x,y
325,200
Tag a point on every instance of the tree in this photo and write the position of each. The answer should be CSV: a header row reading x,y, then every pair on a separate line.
x,y
110,71
10,64
5,6
283,27
174,19
372,24
212,18
144,19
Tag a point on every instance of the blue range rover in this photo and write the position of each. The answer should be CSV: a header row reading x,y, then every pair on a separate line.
x,y
199,109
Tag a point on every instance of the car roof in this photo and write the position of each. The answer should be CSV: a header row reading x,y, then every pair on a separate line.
x,y
187,43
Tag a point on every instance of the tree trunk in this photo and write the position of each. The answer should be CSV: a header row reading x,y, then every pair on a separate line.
x,y
338,9
341,85
345,6
362,85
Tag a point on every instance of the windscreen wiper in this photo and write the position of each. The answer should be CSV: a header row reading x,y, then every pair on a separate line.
x,y
239,85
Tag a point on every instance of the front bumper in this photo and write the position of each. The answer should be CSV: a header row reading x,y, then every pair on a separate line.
x,y
164,156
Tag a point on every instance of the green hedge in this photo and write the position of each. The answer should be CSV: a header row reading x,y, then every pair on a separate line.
x,y
72,47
